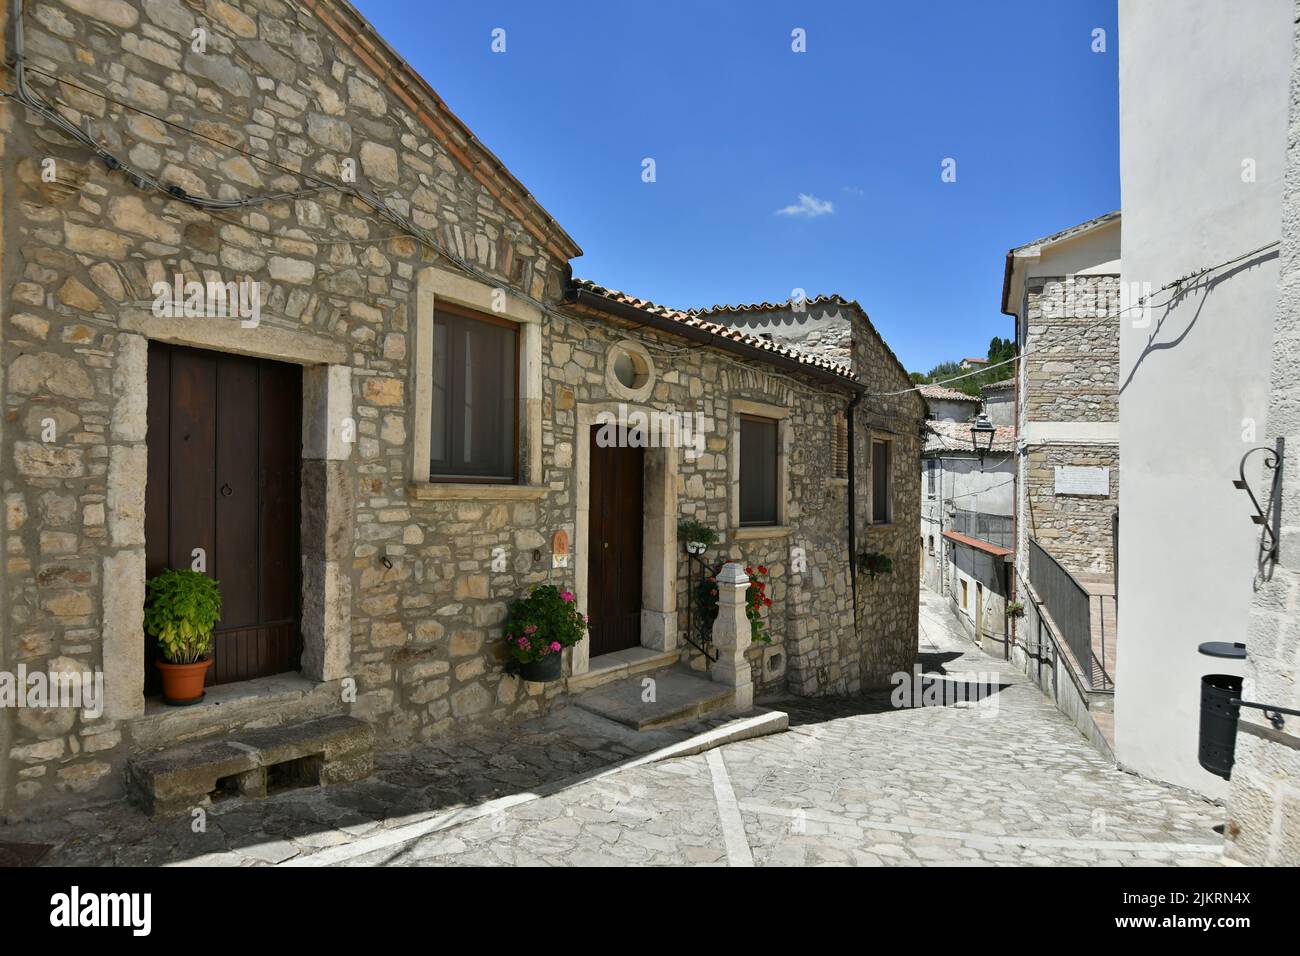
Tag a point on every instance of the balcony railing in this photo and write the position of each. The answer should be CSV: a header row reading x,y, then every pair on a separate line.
x,y
1070,606
995,529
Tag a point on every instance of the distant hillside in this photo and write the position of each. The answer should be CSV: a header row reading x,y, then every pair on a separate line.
x,y
1000,350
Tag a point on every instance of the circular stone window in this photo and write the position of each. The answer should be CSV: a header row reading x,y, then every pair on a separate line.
x,y
629,372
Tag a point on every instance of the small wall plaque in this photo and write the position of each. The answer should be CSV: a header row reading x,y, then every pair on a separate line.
x,y
560,549
1080,480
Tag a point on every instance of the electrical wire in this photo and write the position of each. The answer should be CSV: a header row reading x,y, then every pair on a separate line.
x,y
1109,317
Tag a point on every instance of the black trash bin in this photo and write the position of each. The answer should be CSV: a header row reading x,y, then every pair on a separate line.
x,y
1218,743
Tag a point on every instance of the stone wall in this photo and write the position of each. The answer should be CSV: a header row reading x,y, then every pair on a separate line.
x,y
888,605
1071,353
1075,529
402,573
1263,826
1068,410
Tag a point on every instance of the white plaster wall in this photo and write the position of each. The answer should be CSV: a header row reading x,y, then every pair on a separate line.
x,y
1203,86
944,410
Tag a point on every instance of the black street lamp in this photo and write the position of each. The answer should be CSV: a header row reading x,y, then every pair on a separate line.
x,y
981,435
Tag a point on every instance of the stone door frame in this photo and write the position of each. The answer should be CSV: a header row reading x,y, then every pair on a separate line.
x,y
659,536
326,492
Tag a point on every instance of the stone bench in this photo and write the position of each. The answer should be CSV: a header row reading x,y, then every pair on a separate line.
x,y
312,753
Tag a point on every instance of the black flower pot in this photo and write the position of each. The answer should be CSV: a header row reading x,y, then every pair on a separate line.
x,y
547,669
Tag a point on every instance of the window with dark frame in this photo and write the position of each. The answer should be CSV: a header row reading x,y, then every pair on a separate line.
x,y
474,432
758,471
880,482
931,467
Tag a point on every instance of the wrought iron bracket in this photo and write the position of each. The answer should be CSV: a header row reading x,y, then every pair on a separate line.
x,y
1272,711
1268,514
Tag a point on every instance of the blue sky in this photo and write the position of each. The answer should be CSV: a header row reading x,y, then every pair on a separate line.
x,y
739,127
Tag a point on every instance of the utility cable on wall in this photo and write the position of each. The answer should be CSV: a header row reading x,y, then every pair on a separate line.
x,y
26,97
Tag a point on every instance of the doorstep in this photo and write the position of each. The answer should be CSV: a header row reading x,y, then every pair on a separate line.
x,y
620,664
266,700
679,698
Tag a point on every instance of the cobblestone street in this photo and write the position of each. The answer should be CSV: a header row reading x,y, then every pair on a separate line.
x,y
857,782
854,781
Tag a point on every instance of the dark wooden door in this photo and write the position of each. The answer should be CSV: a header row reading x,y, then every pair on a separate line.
x,y
225,440
614,547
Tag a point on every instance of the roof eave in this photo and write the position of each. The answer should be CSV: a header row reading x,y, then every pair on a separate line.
x,y
593,300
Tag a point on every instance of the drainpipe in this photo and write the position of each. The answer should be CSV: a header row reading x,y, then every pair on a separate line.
x,y
853,511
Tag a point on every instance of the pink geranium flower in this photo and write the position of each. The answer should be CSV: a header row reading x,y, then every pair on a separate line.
x,y
555,645
566,596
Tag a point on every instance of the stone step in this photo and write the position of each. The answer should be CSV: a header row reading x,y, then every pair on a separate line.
x,y
679,698
310,753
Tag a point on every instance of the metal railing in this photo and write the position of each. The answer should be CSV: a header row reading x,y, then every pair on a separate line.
x,y
1070,606
995,529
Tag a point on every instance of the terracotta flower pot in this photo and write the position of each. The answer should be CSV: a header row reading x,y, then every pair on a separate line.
x,y
183,683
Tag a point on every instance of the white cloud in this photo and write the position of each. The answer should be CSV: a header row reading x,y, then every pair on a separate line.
x,y
809,206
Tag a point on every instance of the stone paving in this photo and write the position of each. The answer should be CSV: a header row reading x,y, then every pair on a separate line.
x,y
1003,781
856,781
433,782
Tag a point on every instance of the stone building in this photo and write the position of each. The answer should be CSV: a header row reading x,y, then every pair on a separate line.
x,y
1000,401
302,448
1064,293
962,490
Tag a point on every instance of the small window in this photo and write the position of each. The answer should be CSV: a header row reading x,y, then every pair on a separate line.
x,y
880,482
629,371
931,544
474,426
758,477
931,469
963,594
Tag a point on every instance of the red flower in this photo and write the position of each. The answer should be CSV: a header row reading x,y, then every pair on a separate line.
x,y
767,601
762,570
749,570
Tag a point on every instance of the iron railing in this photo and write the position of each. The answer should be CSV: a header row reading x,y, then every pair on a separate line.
x,y
995,529
1070,605
699,624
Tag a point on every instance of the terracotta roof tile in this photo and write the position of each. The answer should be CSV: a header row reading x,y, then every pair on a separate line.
x,y
694,320
956,436
943,393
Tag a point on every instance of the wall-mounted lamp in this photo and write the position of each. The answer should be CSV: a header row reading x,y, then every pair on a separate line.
x,y
981,435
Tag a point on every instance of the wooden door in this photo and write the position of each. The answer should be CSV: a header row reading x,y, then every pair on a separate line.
x,y
225,441
614,547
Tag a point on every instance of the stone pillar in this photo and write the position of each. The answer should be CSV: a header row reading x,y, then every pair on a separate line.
x,y
731,636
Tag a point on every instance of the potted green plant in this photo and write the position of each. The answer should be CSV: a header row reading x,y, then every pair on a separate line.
x,y
1015,609
873,562
181,608
756,600
539,627
697,535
